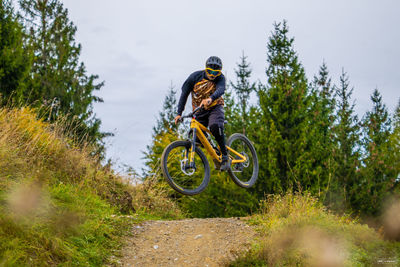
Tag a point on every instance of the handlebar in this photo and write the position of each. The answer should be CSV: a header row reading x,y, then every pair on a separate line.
x,y
190,115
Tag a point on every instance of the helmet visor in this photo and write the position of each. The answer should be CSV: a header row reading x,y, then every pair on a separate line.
x,y
212,72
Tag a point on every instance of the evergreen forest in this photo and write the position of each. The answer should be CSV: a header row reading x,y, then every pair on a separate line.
x,y
322,166
40,68
307,135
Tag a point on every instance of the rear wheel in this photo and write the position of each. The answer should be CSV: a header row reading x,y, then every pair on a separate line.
x,y
185,178
244,174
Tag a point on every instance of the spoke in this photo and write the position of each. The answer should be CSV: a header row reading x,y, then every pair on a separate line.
x,y
185,178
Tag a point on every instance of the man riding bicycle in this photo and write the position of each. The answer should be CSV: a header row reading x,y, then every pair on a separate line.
x,y
207,87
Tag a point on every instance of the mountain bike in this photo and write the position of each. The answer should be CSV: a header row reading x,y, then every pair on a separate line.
x,y
187,170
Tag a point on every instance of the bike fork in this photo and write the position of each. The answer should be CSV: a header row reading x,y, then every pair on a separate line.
x,y
192,151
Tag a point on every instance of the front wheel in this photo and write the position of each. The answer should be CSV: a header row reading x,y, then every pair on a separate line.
x,y
186,178
244,174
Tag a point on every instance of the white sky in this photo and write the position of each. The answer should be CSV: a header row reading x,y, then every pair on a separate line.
x,y
139,47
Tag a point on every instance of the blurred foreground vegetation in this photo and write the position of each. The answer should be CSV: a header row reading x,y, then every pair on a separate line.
x,y
296,230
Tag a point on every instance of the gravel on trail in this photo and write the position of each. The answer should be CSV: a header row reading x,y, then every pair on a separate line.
x,y
190,242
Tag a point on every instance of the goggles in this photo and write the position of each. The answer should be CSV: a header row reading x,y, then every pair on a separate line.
x,y
213,72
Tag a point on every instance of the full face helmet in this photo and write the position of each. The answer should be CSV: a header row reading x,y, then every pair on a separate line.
x,y
213,67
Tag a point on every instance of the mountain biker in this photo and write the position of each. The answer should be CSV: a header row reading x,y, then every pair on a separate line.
x,y
207,87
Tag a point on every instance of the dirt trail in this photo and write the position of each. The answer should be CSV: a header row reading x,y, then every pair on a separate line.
x,y
190,242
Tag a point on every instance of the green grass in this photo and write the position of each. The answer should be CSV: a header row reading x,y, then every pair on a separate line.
x,y
58,205
296,230
73,228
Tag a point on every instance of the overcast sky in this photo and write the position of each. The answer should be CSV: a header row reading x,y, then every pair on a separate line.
x,y
139,47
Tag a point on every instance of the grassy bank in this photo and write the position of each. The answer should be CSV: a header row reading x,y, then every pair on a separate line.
x,y
297,231
58,205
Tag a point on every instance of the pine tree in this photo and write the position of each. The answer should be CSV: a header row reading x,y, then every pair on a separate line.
x,y
284,156
323,89
14,59
231,111
165,121
377,123
395,147
164,132
321,129
378,175
59,80
346,155
242,89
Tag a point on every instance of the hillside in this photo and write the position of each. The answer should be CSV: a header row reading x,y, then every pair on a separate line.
x,y
57,203
59,206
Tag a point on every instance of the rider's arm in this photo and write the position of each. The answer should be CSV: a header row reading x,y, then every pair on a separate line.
x,y
220,88
187,87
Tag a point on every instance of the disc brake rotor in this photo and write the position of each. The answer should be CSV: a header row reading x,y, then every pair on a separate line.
x,y
247,162
185,169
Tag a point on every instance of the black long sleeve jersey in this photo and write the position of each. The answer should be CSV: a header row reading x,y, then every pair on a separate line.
x,y
201,88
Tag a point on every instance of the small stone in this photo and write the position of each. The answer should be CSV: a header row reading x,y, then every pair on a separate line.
x,y
198,236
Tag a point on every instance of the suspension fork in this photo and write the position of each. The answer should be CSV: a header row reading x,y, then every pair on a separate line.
x,y
192,150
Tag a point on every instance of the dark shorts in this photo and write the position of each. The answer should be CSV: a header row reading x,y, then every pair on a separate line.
x,y
215,115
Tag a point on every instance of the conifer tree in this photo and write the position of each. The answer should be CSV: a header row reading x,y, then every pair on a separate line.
x,y
395,147
164,132
14,59
346,155
284,156
377,173
321,129
59,80
165,121
231,111
242,89
324,90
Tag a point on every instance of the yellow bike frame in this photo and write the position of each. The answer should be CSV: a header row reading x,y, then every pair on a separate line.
x,y
200,128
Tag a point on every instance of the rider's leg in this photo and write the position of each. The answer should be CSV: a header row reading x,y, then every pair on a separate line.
x,y
216,122
218,132
202,117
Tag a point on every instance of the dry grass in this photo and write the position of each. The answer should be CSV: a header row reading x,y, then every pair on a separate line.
x,y
152,198
57,203
298,231
40,151
391,219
